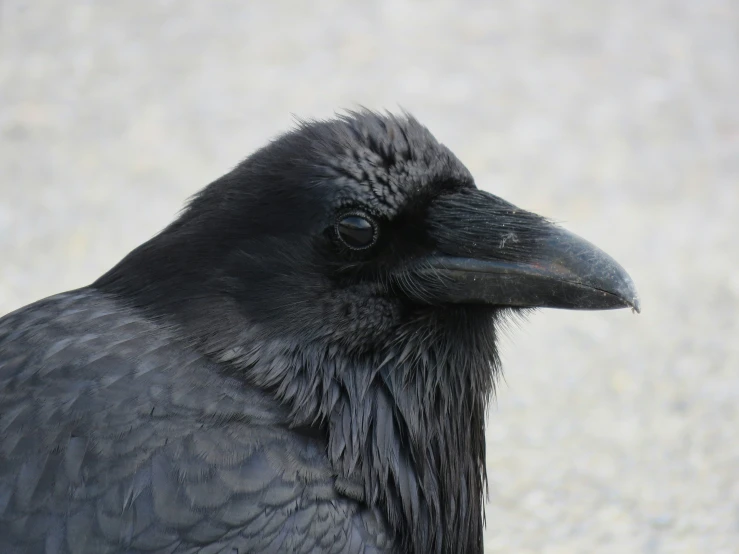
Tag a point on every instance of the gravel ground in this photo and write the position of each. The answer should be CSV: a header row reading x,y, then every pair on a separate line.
x,y
611,432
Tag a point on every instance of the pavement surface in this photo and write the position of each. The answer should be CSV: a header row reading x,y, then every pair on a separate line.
x,y
611,432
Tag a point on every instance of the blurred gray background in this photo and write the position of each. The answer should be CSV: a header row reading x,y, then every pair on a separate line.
x,y
611,432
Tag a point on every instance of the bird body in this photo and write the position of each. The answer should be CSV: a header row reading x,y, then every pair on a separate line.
x,y
299,363
118,436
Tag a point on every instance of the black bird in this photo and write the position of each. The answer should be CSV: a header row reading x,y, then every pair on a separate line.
x,y
299,363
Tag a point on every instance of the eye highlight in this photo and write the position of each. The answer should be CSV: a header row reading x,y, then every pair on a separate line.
x,y
356,230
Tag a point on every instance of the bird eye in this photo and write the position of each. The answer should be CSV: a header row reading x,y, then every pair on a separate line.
x,y
356,231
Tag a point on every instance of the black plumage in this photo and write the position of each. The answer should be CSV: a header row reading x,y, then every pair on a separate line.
x,y
299,363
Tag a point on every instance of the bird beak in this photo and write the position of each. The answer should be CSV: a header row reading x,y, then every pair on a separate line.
x,y
491,252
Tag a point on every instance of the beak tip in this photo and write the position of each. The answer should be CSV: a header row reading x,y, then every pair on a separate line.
x,y
627,292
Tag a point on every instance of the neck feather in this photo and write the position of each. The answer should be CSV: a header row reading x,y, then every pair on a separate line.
x,y
405,424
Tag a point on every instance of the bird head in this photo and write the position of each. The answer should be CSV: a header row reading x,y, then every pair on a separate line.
x,y
344,229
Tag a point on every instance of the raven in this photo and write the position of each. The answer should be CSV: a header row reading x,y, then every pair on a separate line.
x,y
300,362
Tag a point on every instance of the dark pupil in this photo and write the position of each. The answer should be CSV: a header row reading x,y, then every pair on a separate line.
x,y
356,231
